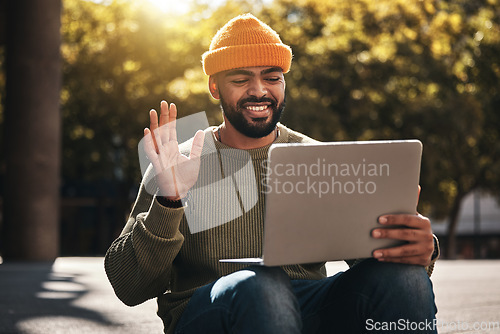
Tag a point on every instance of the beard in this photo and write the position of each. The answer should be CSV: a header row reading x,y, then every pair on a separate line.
x,y
259,127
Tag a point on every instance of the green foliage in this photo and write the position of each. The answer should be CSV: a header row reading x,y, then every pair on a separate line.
x,y
120,60
392,69
362,70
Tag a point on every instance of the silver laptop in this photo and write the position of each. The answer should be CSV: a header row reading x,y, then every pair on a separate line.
x,y
323,200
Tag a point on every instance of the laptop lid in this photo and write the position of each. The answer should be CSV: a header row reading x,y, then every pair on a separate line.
x,y
323,200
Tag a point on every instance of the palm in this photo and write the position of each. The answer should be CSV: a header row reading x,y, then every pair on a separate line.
x,y
179,173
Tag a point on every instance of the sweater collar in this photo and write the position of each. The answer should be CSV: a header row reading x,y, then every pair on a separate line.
x,y
256,153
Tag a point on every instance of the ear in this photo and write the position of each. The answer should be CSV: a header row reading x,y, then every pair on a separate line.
x,y
213,87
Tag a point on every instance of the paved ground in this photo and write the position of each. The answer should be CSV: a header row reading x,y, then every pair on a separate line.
x,y
468,296
72,295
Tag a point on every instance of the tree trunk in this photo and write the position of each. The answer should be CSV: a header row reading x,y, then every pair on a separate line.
x,y
32,131
451,249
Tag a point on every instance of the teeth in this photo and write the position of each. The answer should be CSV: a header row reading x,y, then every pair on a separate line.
x,y
257,108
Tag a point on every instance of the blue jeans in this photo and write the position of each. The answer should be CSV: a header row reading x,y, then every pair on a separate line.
x,y
371,297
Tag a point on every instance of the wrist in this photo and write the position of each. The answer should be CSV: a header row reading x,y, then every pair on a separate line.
x,y
169,202
172,198
436,252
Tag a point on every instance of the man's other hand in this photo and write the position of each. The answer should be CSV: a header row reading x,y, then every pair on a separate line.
x,y
415,229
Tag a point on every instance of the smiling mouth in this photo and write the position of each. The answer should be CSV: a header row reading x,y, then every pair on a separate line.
x,y
258,112
257,108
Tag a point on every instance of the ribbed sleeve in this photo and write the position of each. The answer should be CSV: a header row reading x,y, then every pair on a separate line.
x,y
168,253
139,263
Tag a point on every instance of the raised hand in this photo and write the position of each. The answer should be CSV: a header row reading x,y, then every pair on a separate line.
x,y
175,172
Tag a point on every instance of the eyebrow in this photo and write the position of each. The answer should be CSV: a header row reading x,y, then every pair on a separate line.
x,y
250,73
271,70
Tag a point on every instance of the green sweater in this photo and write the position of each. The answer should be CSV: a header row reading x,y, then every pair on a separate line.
x,y
156,255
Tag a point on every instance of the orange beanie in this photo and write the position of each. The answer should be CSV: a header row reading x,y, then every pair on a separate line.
x,y
245,41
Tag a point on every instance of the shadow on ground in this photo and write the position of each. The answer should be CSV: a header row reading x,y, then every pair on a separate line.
x,y
67,297
32,292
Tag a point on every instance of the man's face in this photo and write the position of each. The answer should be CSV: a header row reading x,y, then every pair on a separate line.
x,y
252,99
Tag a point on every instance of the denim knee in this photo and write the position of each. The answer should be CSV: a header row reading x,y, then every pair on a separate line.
x,y
258,300
407,286
257,284
399,278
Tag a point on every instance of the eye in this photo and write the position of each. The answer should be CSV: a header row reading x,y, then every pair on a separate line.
x,y
273,79
239,81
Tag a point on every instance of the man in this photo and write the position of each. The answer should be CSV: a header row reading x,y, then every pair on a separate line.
x,y
158,255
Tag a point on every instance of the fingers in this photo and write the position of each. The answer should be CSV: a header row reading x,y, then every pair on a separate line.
x,y
172,126
411,228
197,146
415,229
153,125
172,112
164,116
168,113
168,116
163,131
164,113
158,159
150,148
414,221
406,250
153,120
405,234
410,253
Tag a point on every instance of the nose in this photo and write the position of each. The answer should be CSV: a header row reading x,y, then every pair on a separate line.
x,y
257,89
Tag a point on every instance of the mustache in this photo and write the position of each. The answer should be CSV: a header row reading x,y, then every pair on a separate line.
x,y
256,100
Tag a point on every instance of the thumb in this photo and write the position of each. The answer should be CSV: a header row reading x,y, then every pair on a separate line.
x,y
197,146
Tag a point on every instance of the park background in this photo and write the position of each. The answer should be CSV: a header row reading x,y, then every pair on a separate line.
x,y
78,78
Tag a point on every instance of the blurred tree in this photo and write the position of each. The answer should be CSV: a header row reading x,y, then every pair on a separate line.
x,y
362,70
121,58
118,60
394,69
402,69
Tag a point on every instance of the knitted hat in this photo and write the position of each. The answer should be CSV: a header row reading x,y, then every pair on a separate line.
x,y
245,41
